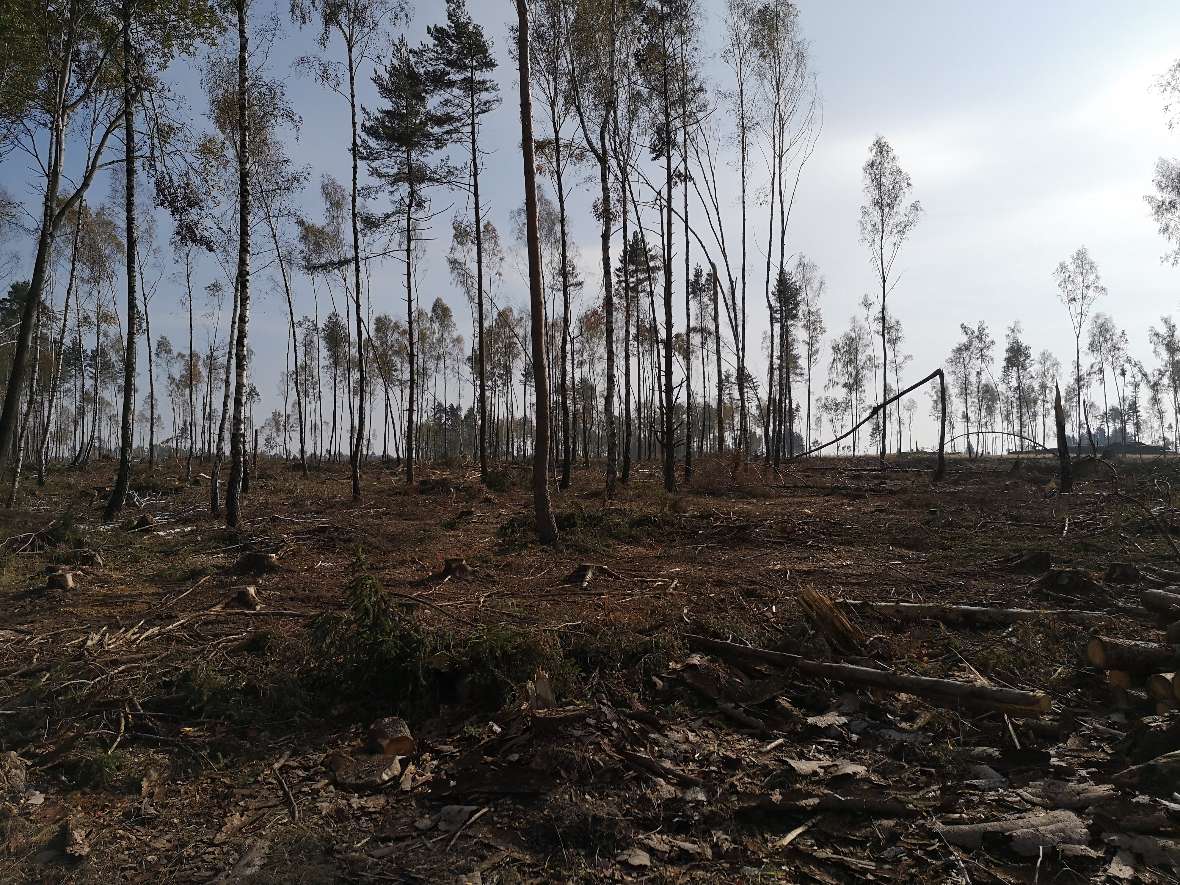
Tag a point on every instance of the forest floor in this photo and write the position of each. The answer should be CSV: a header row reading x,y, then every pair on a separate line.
x,y
155,727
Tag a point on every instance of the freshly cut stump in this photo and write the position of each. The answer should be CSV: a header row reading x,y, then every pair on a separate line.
x,y
391,737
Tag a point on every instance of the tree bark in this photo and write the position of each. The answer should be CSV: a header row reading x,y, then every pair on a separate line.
x,y
358,442
546,526
1132,655
411,436
478,212
55,381
237,440
123,476
1065,475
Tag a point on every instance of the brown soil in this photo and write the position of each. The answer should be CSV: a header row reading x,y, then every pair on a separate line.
x,y
565,730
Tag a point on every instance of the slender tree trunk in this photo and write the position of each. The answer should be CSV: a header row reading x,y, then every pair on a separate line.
x,y
237,440
478,212
627,419
274,236
358,442
559,177
411,436
59,354
192,371
608,299
669,428
147,340
717,355
687,283
30,405
546,527
123,476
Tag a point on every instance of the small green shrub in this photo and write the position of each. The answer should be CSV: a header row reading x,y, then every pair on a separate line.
x,y
379,652
375,650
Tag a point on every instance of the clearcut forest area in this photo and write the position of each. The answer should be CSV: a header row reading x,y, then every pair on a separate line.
x,y
595,441
202,704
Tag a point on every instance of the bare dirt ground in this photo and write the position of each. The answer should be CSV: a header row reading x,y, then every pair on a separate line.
x,y
156,728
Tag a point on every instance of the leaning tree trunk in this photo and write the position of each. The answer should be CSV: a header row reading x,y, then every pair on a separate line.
x,y
147,340
274,236
237,439
59,352
30,404
546,527
123,477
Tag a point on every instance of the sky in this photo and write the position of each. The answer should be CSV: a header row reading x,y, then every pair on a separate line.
x,y
1028,129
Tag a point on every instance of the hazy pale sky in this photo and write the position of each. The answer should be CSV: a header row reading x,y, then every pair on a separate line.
x,y
1029,129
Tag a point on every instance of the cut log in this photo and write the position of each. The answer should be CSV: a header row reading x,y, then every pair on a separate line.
x,y
1119,679
1159,686
945,692
1122,573
1162,602
1151,737
1029,834
1130,699
1059,794
1158,777
1132,655
975,615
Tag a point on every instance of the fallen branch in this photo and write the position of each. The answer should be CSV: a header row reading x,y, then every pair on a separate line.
x,y
945,692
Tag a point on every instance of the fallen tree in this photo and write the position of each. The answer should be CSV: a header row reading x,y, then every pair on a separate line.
x,y
973,615
945,692
940,470
1161,602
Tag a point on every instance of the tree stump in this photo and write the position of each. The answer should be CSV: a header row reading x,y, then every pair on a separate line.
x,y
391,737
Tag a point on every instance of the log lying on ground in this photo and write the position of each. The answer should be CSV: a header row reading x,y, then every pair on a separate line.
x,y
1162,602
1159,776
1159,686
974,615
1119,679
945,692
1132,655
1029,834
